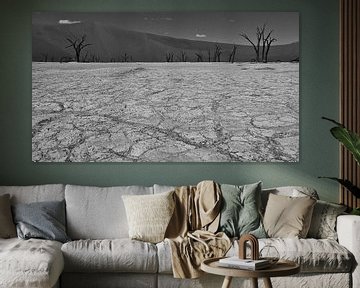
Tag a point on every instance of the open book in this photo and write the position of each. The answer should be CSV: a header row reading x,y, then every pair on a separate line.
x,y
236,262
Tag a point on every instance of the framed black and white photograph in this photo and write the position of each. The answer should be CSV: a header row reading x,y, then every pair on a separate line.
x,y
165,87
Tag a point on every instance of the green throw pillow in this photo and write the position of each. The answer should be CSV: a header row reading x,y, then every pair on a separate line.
x,y
240,213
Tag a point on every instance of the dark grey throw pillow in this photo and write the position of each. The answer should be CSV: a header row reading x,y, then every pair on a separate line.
x,y
240,213
44,220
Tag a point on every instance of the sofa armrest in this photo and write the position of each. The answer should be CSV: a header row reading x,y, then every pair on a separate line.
x,y
348,230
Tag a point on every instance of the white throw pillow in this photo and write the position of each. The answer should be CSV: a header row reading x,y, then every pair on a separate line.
x,y
149,215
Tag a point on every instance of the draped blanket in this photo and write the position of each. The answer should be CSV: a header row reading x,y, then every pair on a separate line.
x,y
191,232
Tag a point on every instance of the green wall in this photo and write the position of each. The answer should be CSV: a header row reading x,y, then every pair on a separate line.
x,y
318,97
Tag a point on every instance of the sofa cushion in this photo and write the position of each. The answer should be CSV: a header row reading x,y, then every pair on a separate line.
x,y
162,188
116,255
287,216
149,215
98,213
313,255
240,210
7,226
30,263
43,220
323,222
291,191
36,193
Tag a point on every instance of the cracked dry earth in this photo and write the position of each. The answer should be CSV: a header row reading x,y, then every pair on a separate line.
x,y
118,112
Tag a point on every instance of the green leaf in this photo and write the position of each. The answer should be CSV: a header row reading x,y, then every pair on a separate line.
x,y
348,138
355,211
347,184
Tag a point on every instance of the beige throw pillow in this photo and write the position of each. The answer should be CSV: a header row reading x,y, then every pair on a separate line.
x,y
149,215
288,217
7,226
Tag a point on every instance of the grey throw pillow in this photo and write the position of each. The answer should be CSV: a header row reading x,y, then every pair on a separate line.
x,y
323,222
240,213
44,220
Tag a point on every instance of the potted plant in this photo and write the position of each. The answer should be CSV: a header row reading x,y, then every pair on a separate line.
x,y
351,142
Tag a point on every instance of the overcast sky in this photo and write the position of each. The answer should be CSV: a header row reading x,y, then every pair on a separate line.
x,y
222,27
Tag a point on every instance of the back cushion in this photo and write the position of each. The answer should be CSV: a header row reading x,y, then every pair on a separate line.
x,y
162,188
36,193
291,191
98,212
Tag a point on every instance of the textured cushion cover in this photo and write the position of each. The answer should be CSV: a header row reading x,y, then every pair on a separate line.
x,y
287,216
116,255
240,213
149,215
44,220
7,226
313,255
98,212
33,263
323,222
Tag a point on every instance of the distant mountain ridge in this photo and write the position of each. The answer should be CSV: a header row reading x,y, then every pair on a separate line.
x,y
113,44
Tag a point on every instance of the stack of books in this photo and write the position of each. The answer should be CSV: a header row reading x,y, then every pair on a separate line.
x,y
248,264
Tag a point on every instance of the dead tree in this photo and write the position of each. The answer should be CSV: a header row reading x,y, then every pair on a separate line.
x,y
259,36
78,44
209,55
264,39
269,41
266,43
199,57
170,57
95,58
182,56
125,57
232,54
217,53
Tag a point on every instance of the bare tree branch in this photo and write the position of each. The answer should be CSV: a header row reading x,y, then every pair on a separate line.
x,y
78,45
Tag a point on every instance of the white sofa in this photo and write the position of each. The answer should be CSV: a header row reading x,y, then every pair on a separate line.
x,y
101,254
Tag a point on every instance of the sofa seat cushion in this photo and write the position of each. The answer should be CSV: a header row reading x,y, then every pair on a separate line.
x,y
110,255
313,255
30,263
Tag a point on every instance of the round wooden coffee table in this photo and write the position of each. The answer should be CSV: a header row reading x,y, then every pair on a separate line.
x,y
281,268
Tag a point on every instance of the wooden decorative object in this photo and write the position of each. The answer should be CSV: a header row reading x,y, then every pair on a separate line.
x,y
254,246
